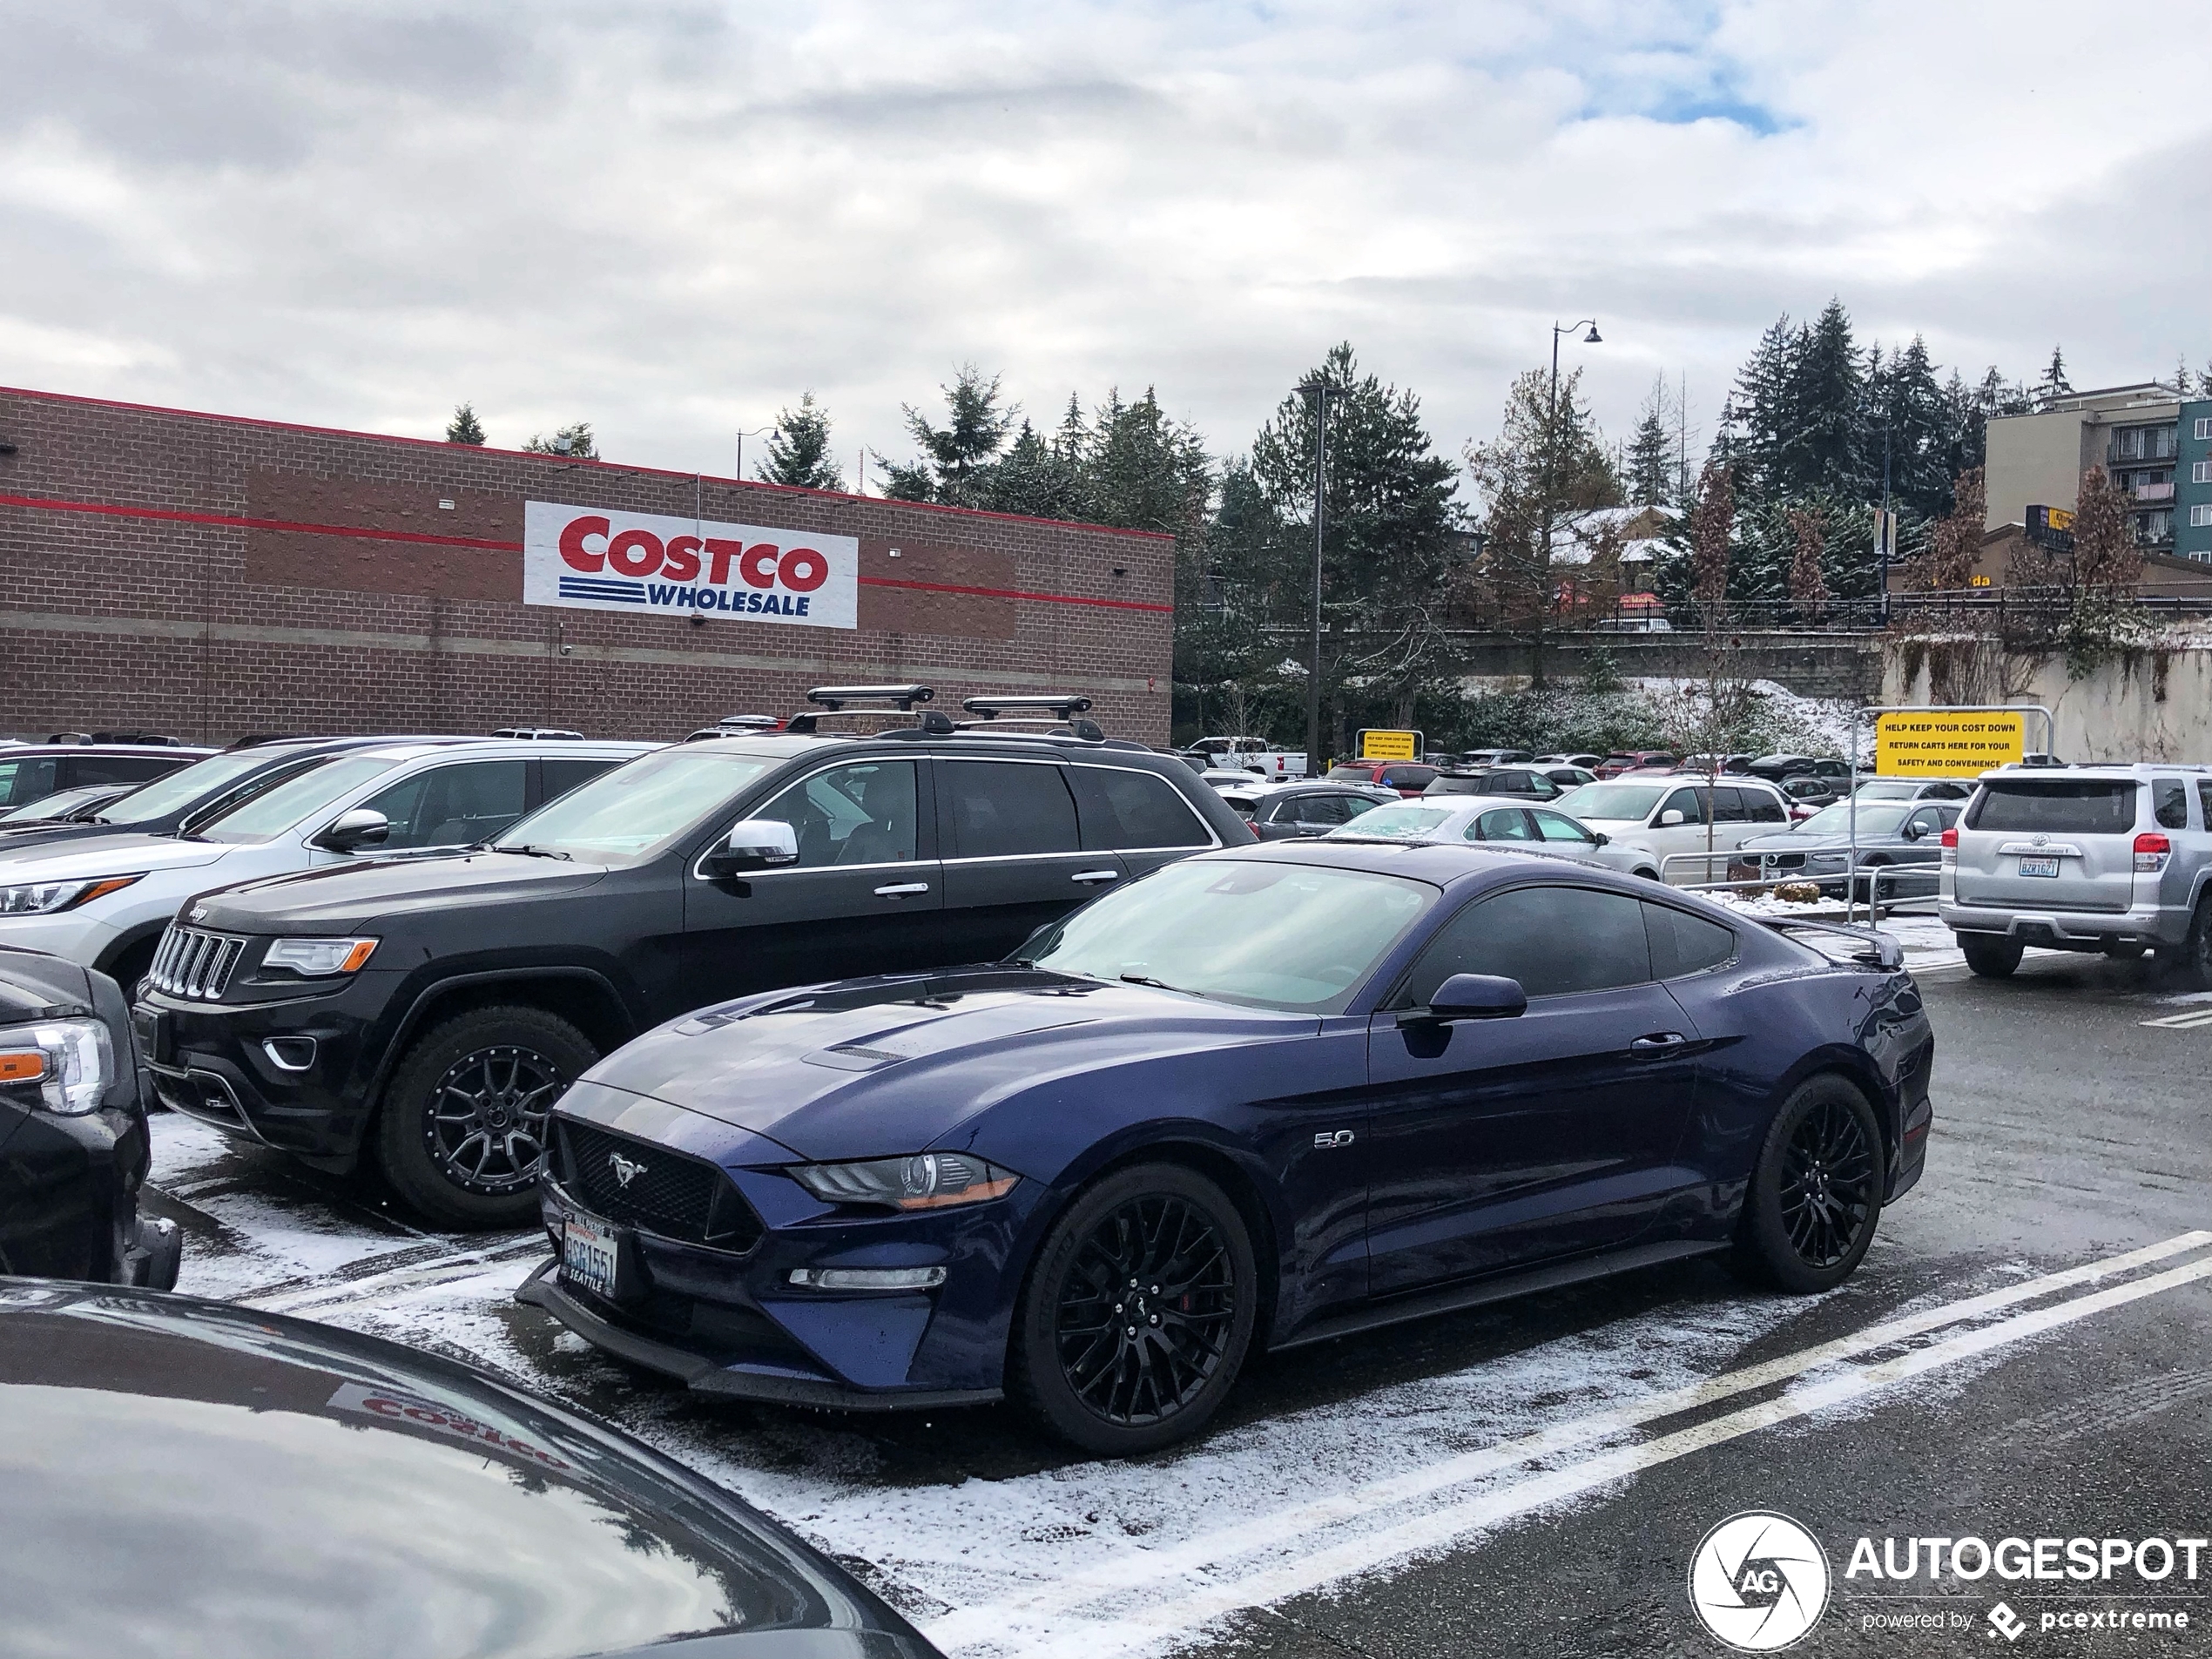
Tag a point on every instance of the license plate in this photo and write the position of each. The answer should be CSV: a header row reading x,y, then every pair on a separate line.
x,y
151,1028
591,1256
2038,867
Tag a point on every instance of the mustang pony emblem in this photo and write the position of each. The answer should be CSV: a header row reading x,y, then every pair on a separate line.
x,y
627,1169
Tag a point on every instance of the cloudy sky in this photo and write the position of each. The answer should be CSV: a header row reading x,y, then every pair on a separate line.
x,y
671,217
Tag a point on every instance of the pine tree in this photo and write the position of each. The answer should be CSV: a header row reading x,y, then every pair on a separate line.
x,y
1909,414
2053,383
1820,448
575,441
464,428
799,449
1652,452
976,430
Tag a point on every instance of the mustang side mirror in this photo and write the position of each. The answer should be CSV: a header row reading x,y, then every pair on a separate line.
x,y
757,844
1671,816
350,831
1475,996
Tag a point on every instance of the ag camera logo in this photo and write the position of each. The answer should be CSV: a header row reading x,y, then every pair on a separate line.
x,y
1758,1581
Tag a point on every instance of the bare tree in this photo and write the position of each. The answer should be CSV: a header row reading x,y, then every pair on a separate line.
x,y
1712,526
1808,584
1956,543
2105,554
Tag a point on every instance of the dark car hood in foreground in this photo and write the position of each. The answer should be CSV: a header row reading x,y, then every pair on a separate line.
x,y
896,1064
35,986
186,1477
343,897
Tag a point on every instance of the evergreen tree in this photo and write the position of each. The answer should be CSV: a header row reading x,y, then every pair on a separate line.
x,y
464,428
1651,455
799,449
1760,417
2053,383
976,430
1822,407
575,441
1910,420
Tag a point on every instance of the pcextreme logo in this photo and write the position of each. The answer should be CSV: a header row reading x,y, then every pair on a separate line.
x,y
1758,1581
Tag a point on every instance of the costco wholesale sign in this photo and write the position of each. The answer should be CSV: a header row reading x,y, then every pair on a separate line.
x,y
587,559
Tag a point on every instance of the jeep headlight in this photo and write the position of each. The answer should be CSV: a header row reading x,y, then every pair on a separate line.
x,y
44,898
70,1062
320,958
927,1181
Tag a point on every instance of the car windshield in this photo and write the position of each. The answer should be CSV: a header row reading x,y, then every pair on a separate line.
x,y
628,814
1888,789
1290,936
1408,822
183,787
1879,818
270,813
1618,802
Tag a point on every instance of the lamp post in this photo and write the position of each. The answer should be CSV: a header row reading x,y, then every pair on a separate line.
x,y
1318,388
1551,443
742,436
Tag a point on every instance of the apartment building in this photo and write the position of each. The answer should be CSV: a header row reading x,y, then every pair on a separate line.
x,y
2193,481
2136,433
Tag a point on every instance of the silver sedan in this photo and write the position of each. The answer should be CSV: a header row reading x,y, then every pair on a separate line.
x,y
1490,819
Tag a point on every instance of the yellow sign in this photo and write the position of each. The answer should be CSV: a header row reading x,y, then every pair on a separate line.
x,y
1939,743
1977,581
2062,518
1390,745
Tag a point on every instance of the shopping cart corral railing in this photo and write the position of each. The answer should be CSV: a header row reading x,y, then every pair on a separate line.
x,y
1867,877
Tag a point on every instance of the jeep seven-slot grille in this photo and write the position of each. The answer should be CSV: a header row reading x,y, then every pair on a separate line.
x,y
191,963
667,1193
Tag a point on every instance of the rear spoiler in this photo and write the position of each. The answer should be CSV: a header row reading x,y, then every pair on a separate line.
x,y
1877,948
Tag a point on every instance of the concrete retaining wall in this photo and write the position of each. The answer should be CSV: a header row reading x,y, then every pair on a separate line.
x,y
2137,705
1812,664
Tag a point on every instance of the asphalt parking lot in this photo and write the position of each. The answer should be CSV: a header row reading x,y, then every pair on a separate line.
x,y
2023,1353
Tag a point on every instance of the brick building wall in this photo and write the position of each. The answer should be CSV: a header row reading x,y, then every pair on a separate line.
x,y
211,577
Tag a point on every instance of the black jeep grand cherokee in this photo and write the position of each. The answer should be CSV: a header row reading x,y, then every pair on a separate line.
x,y
429,1012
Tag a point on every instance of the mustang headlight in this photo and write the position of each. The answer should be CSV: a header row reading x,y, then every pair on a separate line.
x,y
70,1062
927,1181
43,898
320,958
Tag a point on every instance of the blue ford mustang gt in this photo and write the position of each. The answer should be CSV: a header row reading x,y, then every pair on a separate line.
x,y
1267,1095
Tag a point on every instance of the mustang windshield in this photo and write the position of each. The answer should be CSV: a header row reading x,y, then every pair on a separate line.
x,y
627,814
1288,936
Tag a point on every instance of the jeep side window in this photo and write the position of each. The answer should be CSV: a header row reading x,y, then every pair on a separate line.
x,y
863,813
1009,809
2170,803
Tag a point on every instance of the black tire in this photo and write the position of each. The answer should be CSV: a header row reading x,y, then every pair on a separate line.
x,y
1649,875
133,965
1816,1192
2195,957
1180,1340
1990,957
460,1133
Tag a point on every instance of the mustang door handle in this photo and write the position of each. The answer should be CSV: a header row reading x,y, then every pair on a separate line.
x,y
1658,1043
900,889
1088,876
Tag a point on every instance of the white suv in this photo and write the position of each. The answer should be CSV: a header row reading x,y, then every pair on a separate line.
x,y
103,902
1664,815
2108,859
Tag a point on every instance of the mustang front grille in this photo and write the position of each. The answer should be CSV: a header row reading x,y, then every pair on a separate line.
x,y
669,1193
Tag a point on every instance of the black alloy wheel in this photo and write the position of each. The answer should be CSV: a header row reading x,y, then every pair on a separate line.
x,y
1827,1184
1145,1312
461,1132
1815,1195
1138,1312
486,1125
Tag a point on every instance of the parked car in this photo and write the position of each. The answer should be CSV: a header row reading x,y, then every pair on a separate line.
x,y
1230,778
1889,834
106,901
73,1151
1526,783
1775,767
1096,1177
1717,766
1567,777
30,771
185,1476
1252,754
65,805
1806,796
2110,858
1478,759
1408,778
1663,816
1488,819
1637,625
1908,789
1622,760
1287,811
426,1014
1588,762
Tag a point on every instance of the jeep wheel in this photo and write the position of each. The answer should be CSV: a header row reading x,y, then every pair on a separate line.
x,y
1990,957
461,1134
1816,1193
1137,1313
2196,954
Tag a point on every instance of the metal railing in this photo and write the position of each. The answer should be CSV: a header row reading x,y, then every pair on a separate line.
x,y
1862,872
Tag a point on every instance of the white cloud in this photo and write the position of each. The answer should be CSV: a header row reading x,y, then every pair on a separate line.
x,y
671,219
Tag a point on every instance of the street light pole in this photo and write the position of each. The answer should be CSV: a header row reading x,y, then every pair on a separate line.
x,y
742,436
1319,388
1551,441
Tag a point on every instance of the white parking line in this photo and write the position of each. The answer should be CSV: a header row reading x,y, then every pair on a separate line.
x,y
1015,1624
460,1265
2181,1021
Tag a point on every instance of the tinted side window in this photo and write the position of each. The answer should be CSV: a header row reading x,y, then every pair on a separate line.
x,y
26,780
1690,803
2060,806
1682,943
1505,824
2170,803
1728,806
1763,808
451,805
1330,810
2204,799
561,776
1008,808
859,814
1133,809
119,769
1555,940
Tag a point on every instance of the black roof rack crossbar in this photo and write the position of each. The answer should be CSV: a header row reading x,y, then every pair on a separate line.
x,y
900,696
1060,703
